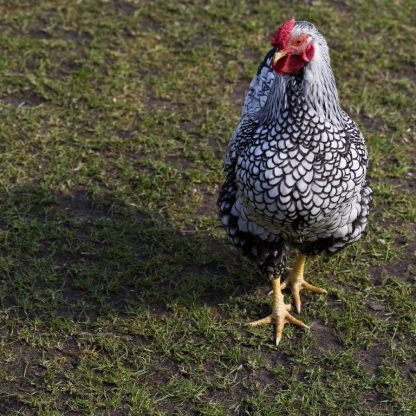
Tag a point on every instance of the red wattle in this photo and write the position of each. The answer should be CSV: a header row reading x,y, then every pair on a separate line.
x,y
289,64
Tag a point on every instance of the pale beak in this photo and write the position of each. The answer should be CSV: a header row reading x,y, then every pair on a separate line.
x,y
277,56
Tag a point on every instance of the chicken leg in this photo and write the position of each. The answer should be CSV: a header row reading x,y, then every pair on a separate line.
x,y
280,313
296,282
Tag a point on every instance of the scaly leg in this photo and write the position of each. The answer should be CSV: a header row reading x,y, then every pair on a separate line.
x,y
280,313
297,283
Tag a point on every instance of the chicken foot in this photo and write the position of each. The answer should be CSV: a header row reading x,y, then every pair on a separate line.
x,y
280,313
296,282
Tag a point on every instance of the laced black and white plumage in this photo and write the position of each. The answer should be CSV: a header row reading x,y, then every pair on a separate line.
x,y
295,166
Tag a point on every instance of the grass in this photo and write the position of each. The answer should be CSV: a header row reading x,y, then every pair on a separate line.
x,y
119,292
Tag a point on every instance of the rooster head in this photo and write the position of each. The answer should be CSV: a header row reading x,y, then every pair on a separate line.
x,y
294,48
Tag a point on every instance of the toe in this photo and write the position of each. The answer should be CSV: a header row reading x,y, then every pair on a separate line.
x,y
296,298
295,321
263,321
312,288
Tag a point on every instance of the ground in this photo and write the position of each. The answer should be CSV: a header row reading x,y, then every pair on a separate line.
x,y
120,294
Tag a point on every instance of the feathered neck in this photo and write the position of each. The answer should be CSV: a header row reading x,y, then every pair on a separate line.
x,y
315,86
319,86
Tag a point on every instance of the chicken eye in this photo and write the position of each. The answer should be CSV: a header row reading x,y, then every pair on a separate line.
x,y
298,42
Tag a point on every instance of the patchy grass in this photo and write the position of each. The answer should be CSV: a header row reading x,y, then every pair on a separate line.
x,y
119,293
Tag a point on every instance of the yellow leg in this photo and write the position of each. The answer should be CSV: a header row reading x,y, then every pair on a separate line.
x,y
297,283
280,313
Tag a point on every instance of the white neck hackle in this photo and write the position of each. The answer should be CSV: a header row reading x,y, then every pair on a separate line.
x,y
318,84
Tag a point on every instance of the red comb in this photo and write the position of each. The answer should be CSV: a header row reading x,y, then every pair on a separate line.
x,y
282,34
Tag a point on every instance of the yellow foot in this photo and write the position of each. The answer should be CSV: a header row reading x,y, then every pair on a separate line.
x,y
296,282
280,313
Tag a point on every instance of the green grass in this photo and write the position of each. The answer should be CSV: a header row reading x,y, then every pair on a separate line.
x,y
119,292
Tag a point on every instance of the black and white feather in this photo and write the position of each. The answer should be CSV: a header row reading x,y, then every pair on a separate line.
x,y
295,166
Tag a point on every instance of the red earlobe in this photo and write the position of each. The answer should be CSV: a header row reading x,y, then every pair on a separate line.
x,y
308,54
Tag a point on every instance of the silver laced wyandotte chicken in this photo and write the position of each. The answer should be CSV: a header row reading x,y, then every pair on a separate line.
x,y
295,167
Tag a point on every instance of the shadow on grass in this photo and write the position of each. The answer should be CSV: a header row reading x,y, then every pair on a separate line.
x,y
66,255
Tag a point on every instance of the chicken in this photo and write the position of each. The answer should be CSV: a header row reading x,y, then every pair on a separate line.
x,y
295,167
